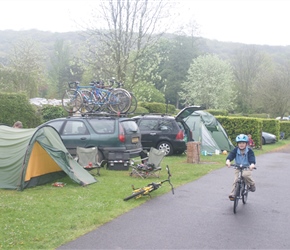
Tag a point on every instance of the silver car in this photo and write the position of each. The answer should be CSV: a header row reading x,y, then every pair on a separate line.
x,y
268,138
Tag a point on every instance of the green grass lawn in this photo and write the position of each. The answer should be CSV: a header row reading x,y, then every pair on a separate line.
x,y
46,217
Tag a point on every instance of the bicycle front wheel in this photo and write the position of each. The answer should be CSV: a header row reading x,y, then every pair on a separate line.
x,y
134,195
245,193
72,100
89,100
237,197
134,104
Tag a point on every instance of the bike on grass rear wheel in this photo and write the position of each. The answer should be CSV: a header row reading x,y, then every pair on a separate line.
x,y
237,196
72,100
134,195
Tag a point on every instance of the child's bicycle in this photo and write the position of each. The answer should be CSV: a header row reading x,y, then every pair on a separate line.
x,y
140,192
241,189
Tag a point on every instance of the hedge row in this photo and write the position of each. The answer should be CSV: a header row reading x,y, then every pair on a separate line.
x,y
16,107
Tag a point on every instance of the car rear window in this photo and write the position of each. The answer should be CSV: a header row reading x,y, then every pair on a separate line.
x,y
129,126
103,126
56,124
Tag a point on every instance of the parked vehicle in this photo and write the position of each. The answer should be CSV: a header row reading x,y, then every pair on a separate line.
x,y
285,118
111,134
163,132
268,138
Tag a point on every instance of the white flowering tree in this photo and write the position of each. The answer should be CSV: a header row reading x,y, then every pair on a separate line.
x,y
210,82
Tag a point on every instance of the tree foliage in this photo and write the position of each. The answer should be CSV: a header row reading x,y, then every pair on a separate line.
x,y
26,67
272,89
247,64
178,53
122,34
210,82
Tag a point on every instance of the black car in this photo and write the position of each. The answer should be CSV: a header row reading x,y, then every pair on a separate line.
x,y
163,132
115,136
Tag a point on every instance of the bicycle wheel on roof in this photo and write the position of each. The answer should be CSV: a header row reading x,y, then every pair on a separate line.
x,y
120,101
134,103
89,100
72,100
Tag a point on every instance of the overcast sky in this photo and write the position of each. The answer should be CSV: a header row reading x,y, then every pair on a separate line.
x,y
244,21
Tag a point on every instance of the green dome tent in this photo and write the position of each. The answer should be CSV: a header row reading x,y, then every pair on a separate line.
x,y
206,129
31,157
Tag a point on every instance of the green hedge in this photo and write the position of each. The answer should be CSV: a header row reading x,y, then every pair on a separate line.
x,y
16,107
271,126
216,112
285,127
242,125
52,112
159,108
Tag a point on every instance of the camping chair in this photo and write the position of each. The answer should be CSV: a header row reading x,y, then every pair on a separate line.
x,y
150,165
88,158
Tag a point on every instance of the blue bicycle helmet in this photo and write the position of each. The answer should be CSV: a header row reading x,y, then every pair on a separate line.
x,y
242,138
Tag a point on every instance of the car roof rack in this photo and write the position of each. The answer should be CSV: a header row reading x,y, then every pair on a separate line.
x,y
106,114
161,114
99,114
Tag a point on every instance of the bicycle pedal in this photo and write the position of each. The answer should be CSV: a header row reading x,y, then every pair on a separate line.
x,y
232,198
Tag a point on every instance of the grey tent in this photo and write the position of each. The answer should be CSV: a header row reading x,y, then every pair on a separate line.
x,y
206,129
30,157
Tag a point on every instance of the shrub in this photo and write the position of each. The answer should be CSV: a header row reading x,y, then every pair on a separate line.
x,y
16,107
51,112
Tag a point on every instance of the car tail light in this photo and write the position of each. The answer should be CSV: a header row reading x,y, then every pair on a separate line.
x,y
121,134
180,135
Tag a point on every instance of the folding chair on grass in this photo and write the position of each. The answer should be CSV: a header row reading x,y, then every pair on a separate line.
x,y
89,158
150,165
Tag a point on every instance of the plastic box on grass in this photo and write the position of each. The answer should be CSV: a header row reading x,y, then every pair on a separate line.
x,y
118,161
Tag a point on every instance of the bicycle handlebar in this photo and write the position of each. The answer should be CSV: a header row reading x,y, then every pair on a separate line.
x,y
101,84
237,166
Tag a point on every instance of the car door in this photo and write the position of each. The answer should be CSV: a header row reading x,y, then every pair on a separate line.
x,y
149,129
75,133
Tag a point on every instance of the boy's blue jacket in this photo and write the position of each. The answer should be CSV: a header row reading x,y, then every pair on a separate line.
x,y
247,159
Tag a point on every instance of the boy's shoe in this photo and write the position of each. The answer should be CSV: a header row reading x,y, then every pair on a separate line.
x,y
252,188
232,197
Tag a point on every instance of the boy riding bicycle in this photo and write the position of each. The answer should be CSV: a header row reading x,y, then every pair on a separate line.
x,y
243,155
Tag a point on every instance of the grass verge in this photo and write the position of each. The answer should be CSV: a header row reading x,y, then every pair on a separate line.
x,y
46,217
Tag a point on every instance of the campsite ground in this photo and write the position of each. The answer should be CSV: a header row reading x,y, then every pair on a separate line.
x,y
46,217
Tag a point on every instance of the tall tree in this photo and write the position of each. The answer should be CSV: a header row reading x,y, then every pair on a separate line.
x,y
27,63
122,34
60,72
210,82
247,64
179,52
272,89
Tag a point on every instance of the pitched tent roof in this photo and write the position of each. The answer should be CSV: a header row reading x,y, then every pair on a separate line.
x,y
206,129
30,157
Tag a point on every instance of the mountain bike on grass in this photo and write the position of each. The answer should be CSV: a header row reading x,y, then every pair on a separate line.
x,y
241,189
140,192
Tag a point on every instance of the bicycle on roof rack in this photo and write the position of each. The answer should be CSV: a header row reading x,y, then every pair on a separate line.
x,y
145,191
97,97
